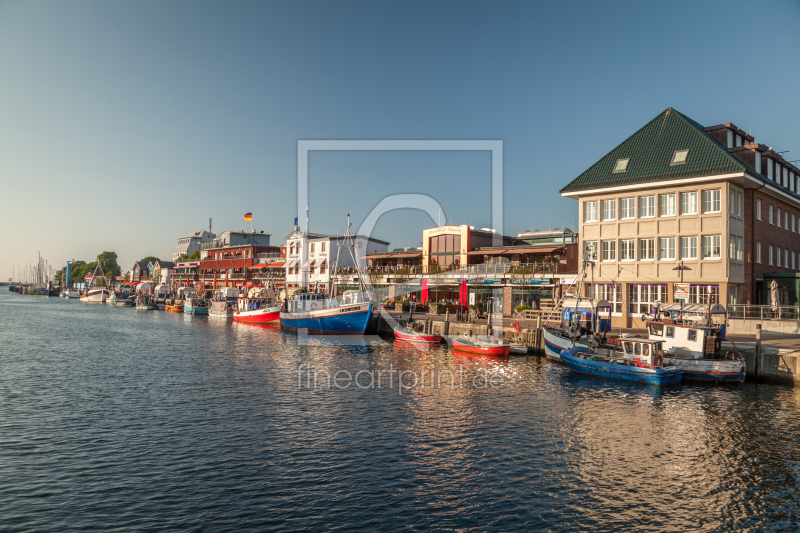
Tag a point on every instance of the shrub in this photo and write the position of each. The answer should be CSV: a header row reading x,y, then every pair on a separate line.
x,y
521,308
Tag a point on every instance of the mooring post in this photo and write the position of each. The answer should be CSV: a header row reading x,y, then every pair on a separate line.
x,y
756,359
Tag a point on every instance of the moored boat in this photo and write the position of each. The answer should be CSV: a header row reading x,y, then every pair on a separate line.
x,y
257,308
480,345
409,335
195,305
174,308
639,361
94,295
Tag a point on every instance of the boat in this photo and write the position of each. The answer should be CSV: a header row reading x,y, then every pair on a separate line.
x,y
160,296
257,307
316,313
70,293
639,361
92,293
407,334
127,302
194,303
174,308
480,345
693,342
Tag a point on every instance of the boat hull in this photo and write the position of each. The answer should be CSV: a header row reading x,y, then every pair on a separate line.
x,y
650,376
174,309
95,296
554,345
259,316
503,349
145,307
345,320
709,370
417,337
195,310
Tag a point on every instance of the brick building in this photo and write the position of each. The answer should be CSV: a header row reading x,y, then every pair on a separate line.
x,y
233,266
674,193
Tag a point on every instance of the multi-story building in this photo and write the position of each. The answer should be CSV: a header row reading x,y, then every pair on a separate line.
x,y
311,256
675,199
142,271
232,266
184,273
162,271
235,238
191,243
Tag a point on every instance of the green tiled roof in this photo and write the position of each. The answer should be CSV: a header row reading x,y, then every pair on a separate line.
x,y
650,151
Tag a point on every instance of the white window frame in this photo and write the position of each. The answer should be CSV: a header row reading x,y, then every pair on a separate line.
x,y
738,140
712,199
647,249
758,253
642,301
758,162
612,293
769,168
670,241
689,244
714,244
730,139
647,206
771,217
613,204
627,249
627,206
608,251
689,196
591,248
778,256
778,218
674,205
588,209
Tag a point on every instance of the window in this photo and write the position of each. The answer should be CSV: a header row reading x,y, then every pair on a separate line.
x,y
609,209
758,162
778,256
701,294
758,252
627,208
769,168
712,246
666,205
609,250
777,173
786,219
711,201
688,203
792,222
590,249
612,293
647,207
647,250
758,209
688,247
679,157
642,298
786,258
733,295
736,248
590,212
693,332
738,140
779,217
793,260
323,249
785,177
323,265
792,183
312,249
771,221
312,268
671,332
736,203
627,250
621,165
769,251
666,248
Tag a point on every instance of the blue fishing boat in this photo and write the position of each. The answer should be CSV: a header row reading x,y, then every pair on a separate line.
x,y
640,361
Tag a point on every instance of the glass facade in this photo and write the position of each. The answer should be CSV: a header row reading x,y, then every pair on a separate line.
x,y
445,250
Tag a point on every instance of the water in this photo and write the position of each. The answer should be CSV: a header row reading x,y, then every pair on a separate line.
x,y
118,420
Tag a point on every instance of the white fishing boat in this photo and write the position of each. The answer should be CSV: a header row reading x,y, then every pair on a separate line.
x,y
94,293
70,293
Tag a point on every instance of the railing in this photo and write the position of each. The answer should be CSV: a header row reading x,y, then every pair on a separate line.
x,y
764,312
521,271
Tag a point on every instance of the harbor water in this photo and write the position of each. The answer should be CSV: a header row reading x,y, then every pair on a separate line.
x,y
118,420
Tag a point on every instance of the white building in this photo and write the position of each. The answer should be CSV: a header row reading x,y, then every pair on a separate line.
x,y
236,238
190,244
311,256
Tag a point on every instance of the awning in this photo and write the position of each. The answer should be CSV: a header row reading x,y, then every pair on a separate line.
x,y
312,262
487,252
379,256
408,255
291,263
545,250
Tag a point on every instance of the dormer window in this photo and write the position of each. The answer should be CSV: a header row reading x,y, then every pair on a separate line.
x,y
679,157
730,139
621,165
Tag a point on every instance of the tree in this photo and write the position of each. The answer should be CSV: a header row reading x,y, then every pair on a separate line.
x,y
193,257
108,262
128,275
149,259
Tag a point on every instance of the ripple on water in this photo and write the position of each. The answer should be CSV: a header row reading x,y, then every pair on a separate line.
x,y
117,420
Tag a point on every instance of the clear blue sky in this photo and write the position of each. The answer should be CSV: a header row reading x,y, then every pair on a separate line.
x,y
125,125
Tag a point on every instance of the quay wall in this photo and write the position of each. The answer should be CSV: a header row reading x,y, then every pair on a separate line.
x,y
748,327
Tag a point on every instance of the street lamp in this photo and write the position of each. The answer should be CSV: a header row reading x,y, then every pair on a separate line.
x,y
681,268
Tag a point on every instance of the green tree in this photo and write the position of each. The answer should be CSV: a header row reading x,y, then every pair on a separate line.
x,y
128,275
193,257
149,259
108,262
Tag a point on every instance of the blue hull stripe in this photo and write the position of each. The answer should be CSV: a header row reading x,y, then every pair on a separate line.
x,y
692,375
620,372
195,310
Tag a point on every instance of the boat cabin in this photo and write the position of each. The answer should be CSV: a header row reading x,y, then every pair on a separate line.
x,y
304,302
644,352
686,341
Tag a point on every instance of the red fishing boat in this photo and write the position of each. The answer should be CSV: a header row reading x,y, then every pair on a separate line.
x,y
480,345
256,308
409,335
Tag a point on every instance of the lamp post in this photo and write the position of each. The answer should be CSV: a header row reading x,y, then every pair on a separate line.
x,y
681,268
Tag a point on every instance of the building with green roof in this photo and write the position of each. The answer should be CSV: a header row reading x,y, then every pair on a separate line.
x,y
677,193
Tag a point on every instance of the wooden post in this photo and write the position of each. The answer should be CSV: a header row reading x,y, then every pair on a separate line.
x,y
757,357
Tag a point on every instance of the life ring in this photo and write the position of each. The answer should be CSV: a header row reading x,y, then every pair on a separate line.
x,y
313,305
659,361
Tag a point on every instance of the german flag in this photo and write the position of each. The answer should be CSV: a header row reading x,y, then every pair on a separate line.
x,y
248,216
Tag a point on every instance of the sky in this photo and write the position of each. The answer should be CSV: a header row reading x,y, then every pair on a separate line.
x,y
126,125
